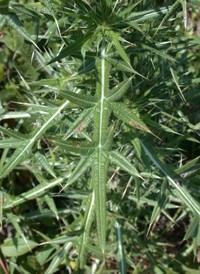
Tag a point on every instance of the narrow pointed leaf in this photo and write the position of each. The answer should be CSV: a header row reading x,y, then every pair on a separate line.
x,y
14,115
175,77
100,164
34,193
158,52
80,169
117,92
10,143
21,153
122,262
180,191
76,146
129,117
123,66
124,164
162,199
80,123
79,99
43,187
11,133
115,40
188,165
192,229
42,160
85,238
1,209
148,14
58,258
14,221
51,204
72,49
14,21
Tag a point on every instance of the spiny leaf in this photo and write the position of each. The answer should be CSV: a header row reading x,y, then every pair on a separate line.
x,y
100,164
12,133
148,14
82,166
172,10
73,48
122,65
79,99
76,146
34,193
80,123
51,204
10,143
190,164
117,92
14,21
162,199
42,160
103,72
43,187
14,115
180,191
123,113
124,164
115,40
158,52
22,152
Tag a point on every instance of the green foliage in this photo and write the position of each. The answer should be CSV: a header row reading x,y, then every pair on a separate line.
x,y
99,137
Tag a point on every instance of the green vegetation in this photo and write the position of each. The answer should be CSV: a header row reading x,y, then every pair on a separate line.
x,y
99,135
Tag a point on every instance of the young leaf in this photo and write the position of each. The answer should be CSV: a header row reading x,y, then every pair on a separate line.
x,y
115,41
73,48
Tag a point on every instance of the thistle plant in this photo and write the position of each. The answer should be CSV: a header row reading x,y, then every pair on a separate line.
x,y
88,146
